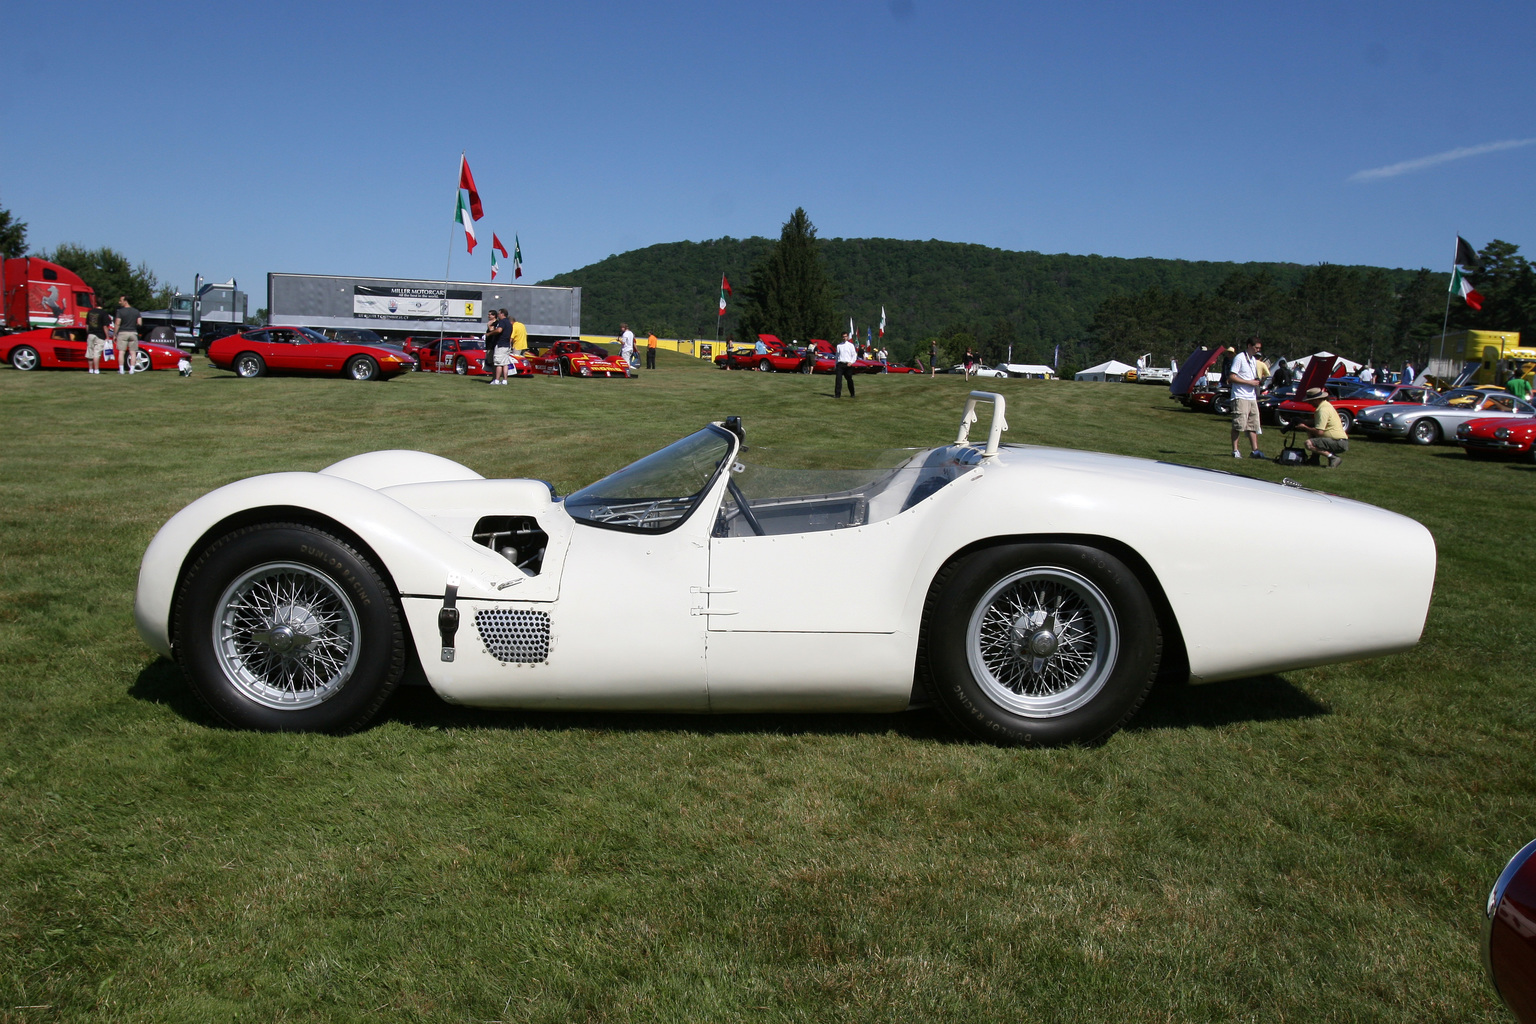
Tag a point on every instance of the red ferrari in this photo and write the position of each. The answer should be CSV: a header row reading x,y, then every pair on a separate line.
x,y
63,348
302,350
575,358
778,358
1352,403
1498,435
464,356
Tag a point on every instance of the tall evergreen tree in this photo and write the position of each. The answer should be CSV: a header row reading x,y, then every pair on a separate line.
x,y
788,293
13,235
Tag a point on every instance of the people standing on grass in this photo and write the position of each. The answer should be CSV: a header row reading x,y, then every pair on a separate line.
x,y
846,355
519,334
1243,379
970,362
498,346
128,322
933,357
96,321
627,345
650,351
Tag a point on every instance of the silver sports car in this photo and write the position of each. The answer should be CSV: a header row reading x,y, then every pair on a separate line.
x,y
1437,423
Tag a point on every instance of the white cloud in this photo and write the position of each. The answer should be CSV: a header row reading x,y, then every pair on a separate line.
x,y
1422,162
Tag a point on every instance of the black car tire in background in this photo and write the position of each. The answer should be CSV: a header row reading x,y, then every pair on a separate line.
x,y
24,357
1346,420
1425,431
461,366
362,368
249,364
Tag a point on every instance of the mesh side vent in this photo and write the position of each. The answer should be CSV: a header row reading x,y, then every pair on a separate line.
x,y
514,634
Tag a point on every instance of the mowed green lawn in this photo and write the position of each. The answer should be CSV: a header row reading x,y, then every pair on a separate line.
x,y
1313,846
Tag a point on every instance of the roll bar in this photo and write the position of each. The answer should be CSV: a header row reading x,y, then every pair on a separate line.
x,y
999,420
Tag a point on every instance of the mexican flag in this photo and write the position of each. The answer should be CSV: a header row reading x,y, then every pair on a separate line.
x,y
517,258
1463,287
725,289
467,182
462,215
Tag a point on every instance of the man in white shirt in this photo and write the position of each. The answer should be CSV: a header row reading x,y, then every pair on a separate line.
x,y
627,346
1243,378
846,354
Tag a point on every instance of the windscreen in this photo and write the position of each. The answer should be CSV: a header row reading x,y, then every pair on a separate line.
x,y
658,492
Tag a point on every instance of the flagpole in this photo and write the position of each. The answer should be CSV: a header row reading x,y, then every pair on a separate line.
x,y
1445,323
718,315
442,323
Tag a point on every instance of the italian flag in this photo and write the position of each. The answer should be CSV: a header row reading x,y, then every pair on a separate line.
x,y
882,321
1463,287
517,258
495,263
467,183
725,289
462,215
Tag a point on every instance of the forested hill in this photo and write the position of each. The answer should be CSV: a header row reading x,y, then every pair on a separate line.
x,y
928,288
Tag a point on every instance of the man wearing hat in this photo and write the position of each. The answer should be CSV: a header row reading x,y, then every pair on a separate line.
x,y
1327,432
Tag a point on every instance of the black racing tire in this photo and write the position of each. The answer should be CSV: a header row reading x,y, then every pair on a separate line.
x,y
1425,431
24,357
249,364
461,366
1222,406
362,368
142,363
1346,420
763,366
268,610
1039,644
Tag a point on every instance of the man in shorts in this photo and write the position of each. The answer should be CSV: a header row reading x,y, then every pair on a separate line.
x,y
1243,379
96,320
128,324
1328,438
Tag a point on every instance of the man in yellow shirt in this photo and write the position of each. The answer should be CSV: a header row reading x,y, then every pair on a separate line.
x,y
1328,437
519,336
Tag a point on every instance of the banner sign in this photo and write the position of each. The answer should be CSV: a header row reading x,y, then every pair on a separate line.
x,y
398,303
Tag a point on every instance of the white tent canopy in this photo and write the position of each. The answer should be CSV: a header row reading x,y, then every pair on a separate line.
x,y
1112,370
1026,370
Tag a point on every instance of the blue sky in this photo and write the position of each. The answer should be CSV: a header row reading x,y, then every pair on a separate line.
x,y
241,138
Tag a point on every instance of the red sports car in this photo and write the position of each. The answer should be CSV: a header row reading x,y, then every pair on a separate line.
x,y
1498,435
302,350
574,358
778,358
1509,934
1352,403
464,356
63,348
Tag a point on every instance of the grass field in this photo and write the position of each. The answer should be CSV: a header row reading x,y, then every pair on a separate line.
x,y
1315,846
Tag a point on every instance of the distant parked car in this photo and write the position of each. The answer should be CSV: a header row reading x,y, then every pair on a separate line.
x,y
979,371
573,357
464,356
1436,421
63,348
303,350
362,336
1498,435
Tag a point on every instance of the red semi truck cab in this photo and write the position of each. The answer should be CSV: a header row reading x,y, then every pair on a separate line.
x,y
37,293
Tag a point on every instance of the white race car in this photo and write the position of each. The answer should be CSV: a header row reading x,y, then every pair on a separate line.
x,y
1032,592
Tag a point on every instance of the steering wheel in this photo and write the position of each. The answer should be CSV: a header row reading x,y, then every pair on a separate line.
x,y
746,510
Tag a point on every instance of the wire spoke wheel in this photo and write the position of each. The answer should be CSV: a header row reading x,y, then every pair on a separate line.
x,y
1042,642
286,635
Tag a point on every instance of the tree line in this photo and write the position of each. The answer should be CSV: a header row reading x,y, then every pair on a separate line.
x,y
1063,310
